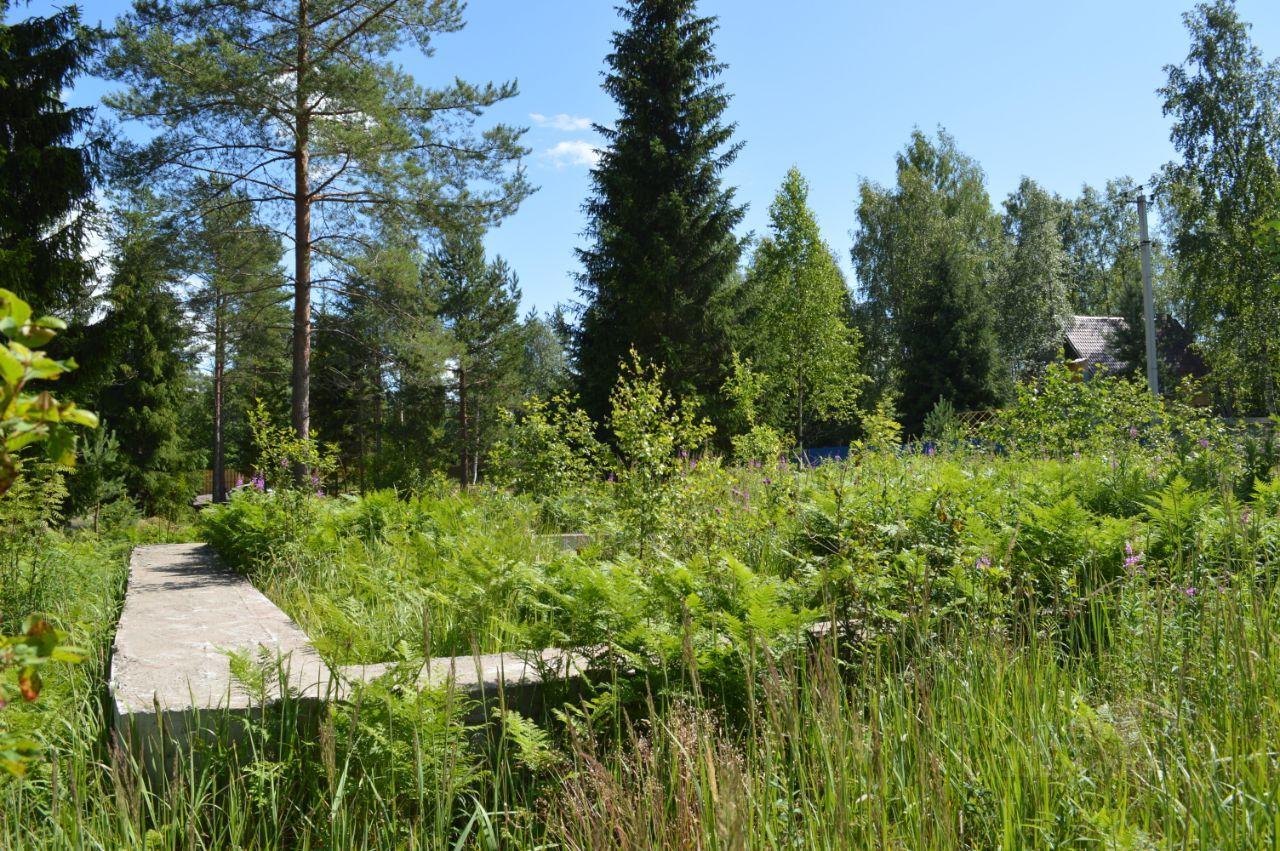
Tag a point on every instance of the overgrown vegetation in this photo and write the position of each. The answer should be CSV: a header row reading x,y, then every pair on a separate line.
x,y
1024,604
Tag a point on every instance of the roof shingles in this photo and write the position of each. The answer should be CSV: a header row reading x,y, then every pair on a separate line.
x,y
1090,337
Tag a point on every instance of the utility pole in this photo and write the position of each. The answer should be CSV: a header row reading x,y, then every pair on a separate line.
x,y
1148,298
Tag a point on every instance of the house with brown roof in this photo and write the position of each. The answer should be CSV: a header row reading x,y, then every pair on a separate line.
x,y
1089,343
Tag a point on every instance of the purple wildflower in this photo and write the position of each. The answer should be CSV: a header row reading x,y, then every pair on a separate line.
x,y
1204,442
1133,432
1131,559
930,449
258,483
1190,591
239,482
767,481
983,562
609,478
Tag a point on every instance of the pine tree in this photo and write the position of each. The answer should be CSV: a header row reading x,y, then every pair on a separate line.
x,y
479,302
662,251
46,178
306,108
795,330
380,358
238,306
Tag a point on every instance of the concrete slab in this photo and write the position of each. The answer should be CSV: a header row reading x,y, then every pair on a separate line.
x,y
513,680
183,614
575,541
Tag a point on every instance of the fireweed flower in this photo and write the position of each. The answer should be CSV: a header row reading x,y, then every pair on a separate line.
x,y
258,483
1190,591
1132,560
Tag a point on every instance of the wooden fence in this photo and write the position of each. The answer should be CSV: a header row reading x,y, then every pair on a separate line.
x,y
229,478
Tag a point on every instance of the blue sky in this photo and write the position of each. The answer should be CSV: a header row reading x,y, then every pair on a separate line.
x,y
1061,91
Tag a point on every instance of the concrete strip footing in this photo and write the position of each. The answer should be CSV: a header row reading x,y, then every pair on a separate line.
x,y
185,615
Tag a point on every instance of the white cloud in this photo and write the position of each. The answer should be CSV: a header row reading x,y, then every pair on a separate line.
x,y
561,121
573,152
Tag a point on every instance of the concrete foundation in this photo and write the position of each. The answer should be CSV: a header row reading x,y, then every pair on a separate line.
x,y
185,615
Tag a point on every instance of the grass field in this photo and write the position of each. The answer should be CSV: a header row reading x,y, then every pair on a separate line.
x,y
1038,654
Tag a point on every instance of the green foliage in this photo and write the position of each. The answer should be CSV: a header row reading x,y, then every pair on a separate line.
x,y
1059,414
98,479
654,437
1099,231
942,425
30,418
548,448
46,174
756,441
880,427
1226,128
1033,303
662,251
478,303
38,644
795,322
955,355
281,453
928,252
139,379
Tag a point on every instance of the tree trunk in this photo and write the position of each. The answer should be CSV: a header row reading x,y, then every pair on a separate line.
x,y
464,436
219,368
301,388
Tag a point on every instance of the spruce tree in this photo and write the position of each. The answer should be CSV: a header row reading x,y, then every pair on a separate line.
x,y
929,252
660,221
951,351
143,396
46,177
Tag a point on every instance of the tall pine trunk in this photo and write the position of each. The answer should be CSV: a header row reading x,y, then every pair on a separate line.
x,y
464,437
301,387
219,370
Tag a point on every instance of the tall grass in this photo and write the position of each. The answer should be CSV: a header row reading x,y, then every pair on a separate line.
x,y
1007,674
